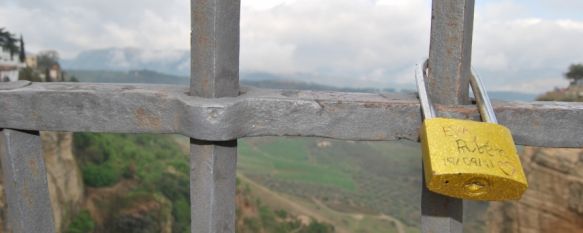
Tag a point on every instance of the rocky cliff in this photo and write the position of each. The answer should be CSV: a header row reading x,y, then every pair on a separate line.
x,y
64,178
554,199
112,209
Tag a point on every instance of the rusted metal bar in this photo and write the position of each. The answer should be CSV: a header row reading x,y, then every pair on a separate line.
x,y
440,214
78,107
215,48
215,74
25,178
450,51
213,185
449,77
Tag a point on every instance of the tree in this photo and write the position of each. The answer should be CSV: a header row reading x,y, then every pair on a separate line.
x,y
9,42
46,59
3,37
22,51
73,79
575,73
29,74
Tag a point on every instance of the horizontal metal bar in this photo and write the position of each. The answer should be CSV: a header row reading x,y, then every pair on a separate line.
x,y
257,112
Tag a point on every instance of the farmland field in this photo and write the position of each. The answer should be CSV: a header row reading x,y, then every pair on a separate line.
x,y
368,178
355,186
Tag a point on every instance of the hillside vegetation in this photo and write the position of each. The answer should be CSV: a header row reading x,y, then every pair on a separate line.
x,y
157,168
369,179
140,183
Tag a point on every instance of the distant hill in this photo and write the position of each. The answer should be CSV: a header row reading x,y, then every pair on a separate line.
x,y
511,96
299,85
117,64
262,80
153,77
572,93
132,76
175,62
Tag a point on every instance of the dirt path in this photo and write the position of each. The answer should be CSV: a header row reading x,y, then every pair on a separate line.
x,y
298,208
398,224
290,205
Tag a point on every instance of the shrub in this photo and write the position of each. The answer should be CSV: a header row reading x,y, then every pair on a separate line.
x,y
181,214
82,223
99,176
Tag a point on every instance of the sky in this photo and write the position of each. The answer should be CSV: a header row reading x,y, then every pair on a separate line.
x,y
519,45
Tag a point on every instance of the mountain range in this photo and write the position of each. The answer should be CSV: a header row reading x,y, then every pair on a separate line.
x,y
175,62
135,65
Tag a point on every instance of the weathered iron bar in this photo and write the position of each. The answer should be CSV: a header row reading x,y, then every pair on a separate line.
x,y
25,179
214,74
259,112
449,70
450,51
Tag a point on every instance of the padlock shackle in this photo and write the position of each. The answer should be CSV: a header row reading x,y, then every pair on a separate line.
x,y
482,98
426,105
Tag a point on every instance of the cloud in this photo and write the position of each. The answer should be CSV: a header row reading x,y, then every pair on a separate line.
x,y
349,41
71,26
518,44
522,52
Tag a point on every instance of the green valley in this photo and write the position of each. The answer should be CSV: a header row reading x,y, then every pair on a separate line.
x,y
361,187
318,183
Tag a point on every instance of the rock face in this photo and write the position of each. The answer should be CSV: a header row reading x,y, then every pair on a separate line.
x,y
64,179
554,199
145,214
116,209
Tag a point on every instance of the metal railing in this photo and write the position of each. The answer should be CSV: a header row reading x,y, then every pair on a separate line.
x,y
215,112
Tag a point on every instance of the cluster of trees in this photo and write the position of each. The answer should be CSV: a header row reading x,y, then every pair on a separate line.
x,y
9,42
45,60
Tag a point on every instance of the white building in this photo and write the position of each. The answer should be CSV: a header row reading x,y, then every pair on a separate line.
x,y
9,66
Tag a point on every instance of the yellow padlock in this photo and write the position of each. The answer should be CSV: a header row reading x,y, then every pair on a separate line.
x,y
469,159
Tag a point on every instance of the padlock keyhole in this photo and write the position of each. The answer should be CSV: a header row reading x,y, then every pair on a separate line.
x,y
476,187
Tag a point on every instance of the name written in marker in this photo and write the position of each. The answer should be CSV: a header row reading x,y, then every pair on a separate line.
x,y
467,142
475,146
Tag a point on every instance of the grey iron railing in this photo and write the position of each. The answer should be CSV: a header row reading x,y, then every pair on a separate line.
x,y
215,112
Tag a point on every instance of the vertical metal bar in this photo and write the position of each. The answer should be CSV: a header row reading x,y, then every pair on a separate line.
x,y
440,214
215,48
215,74
25,178
450,51
213,186
449,76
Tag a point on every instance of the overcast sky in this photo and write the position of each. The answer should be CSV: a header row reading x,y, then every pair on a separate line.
x,y
519,45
